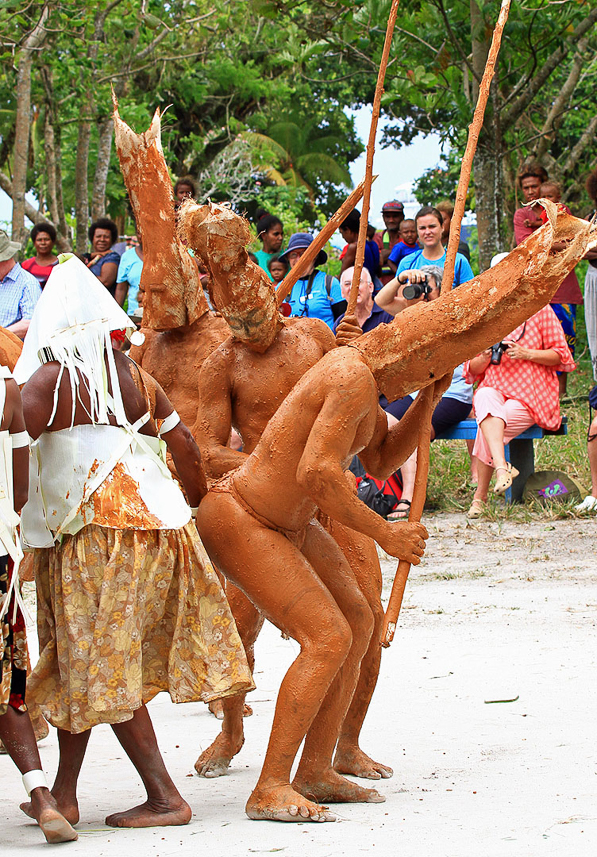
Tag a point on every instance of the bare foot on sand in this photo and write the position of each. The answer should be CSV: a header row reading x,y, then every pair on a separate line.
x,y
215,761
353,761
67,808
152,815
284,804
332,788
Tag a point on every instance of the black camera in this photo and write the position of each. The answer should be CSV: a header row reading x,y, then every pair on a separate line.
x,y
497,352
417,290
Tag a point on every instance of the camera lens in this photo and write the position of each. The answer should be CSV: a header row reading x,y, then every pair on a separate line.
x,y
411,292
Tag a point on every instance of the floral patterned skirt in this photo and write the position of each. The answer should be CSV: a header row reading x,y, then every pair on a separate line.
x,y
13,665
125,614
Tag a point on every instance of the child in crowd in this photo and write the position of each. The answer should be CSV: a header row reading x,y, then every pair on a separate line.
x,y
278,268
407,232
552,191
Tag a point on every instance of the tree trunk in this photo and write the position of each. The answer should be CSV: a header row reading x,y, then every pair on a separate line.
x,y
104,149
23,124
488,195
82,186
487,173
54,175
52,135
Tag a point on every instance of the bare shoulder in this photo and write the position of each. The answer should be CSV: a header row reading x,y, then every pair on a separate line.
x,y
319,330
223,356
344,369
43,381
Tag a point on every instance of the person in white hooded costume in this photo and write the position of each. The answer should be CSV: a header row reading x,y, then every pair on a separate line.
x,y
128,602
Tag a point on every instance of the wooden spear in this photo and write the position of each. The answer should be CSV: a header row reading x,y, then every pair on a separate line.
x,y
319,242
360,254
395,601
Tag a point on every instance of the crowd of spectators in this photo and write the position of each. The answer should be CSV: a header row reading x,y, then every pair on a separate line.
x,y
406,252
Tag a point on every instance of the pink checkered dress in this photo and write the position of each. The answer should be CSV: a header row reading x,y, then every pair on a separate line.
x,y
534,385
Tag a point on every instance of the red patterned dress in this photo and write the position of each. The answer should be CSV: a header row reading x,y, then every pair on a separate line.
x,y
13,666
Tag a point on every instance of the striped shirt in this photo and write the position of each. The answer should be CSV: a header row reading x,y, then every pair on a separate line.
x,y
19,292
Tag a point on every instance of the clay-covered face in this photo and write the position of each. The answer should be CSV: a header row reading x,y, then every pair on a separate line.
x,y
241,291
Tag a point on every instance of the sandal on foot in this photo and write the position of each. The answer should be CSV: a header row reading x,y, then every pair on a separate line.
x,y
396,515
504,477
476,509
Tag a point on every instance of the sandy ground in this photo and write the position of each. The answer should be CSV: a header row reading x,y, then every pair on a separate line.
x,y
494,612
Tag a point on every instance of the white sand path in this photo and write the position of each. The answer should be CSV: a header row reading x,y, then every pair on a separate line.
x,y
494,612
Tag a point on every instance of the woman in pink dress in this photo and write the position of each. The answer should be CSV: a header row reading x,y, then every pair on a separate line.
x,y
517,387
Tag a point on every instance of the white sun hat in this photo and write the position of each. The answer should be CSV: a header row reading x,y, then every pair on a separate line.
x,y
71,324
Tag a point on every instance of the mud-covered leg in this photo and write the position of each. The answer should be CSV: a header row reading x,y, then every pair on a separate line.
x,y
215,761
315,777
361,553
287,591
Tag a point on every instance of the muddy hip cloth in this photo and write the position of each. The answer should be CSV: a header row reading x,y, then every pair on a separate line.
x,y
227,486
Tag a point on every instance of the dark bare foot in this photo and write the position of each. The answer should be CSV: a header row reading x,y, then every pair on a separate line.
x,y
215,761
330,787
353,761
68,809
151,814
284,804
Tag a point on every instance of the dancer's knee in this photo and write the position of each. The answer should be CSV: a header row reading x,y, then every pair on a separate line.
x,y
332,641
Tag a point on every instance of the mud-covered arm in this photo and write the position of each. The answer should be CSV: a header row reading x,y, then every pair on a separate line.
x,y
184,451
214,421
389,448
321,476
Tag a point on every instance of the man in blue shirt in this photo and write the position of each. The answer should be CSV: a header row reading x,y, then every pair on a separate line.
x,y
316,294
367,312
19,290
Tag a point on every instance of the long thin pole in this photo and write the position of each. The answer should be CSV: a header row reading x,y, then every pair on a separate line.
x,y
418,502
360,254
319,242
